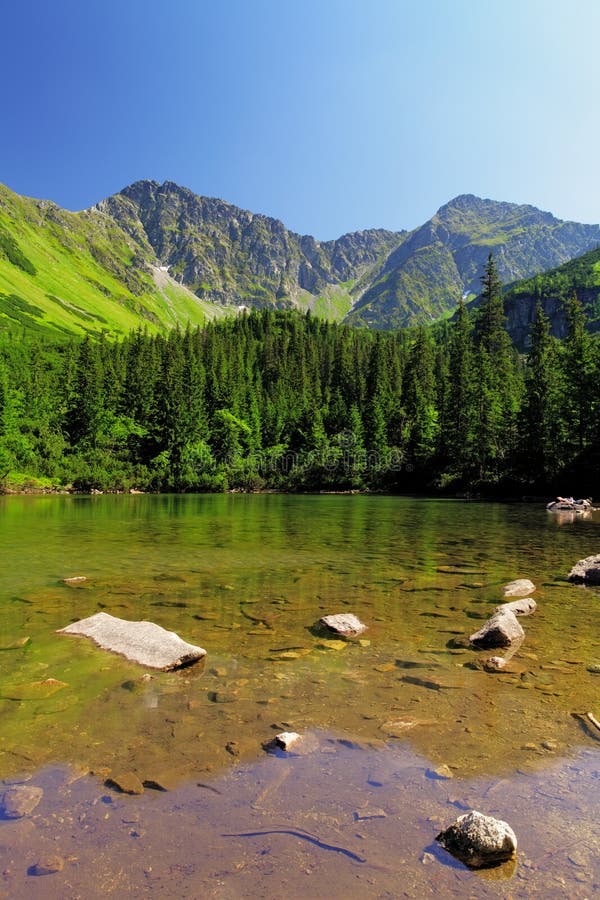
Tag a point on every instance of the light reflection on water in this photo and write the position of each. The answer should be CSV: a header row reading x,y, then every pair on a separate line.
x,y
247,577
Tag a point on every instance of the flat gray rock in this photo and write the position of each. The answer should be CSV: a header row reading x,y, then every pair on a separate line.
x,y
344,623
479,840
519,588
141,642
523,607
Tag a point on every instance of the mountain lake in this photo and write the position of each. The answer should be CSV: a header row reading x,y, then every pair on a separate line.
x,y
403,730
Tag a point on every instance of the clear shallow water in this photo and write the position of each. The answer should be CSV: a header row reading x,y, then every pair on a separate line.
x,y
247,577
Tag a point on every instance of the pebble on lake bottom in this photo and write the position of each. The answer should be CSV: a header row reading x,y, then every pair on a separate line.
x,y
48,865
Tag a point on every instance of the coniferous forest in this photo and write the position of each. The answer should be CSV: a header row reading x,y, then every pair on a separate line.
x,y
282,400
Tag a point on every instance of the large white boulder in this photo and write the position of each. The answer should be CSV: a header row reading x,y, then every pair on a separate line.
x,y
142,642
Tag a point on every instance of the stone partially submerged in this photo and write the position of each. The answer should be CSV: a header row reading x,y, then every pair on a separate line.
x,y
141,642
479,840
523,607
521,587
346,624
502,630
586,571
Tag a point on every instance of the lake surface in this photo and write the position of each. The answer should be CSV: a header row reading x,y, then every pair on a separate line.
x,y
248,577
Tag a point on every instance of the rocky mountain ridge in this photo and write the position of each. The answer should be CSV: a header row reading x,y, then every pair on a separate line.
x,y
160,255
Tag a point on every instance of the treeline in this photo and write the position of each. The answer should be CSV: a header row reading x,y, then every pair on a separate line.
x,y
273,399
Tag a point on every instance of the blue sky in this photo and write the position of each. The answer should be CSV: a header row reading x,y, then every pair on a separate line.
x,y
332,115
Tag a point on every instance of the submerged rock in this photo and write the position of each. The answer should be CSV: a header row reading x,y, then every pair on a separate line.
x,y
17,644
502,630
440,773
20,800
586,571
344,623
518,588
126,782
479,840
495,664
523,607
75,579
48,865
286,739
142,642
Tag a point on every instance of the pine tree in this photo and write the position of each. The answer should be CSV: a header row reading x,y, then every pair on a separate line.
x,y
545,430
578,366
459,419
498,383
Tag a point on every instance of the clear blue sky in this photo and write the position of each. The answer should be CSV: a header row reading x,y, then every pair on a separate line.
x,y
332,115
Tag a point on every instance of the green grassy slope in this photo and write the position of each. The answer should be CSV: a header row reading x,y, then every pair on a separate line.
x,y
65,273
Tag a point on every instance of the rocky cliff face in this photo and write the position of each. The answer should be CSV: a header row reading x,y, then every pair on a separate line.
x,y
234,257
386,279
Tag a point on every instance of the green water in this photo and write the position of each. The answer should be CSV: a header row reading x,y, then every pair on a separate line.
x,y
356,811
247,577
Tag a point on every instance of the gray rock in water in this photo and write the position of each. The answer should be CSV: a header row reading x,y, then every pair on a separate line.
x,y
502,630
523,607
519,588
142,642
20,800
344,623
479,840
586,571
286,739
495,664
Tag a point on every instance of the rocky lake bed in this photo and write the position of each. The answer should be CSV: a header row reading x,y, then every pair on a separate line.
x,y
140,778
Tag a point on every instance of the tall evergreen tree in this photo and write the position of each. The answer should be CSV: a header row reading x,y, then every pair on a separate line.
x,y
545,430
459,419
578,366
499,382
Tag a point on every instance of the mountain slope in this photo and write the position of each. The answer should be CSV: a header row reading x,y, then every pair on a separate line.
x,y
442,260
234,257
159,255
64,273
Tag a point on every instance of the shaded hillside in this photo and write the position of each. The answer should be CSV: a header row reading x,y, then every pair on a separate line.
x,y
580,276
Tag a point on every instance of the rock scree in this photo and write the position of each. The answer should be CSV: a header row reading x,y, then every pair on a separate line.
x,y
141,642
479,841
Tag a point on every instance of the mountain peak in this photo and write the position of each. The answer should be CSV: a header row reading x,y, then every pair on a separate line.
x,y
462,211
